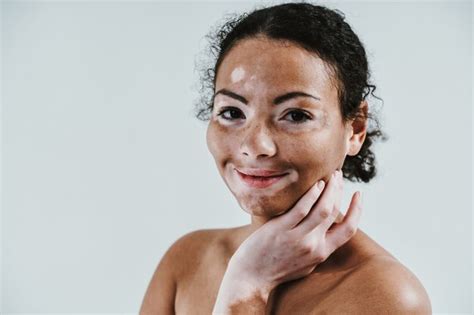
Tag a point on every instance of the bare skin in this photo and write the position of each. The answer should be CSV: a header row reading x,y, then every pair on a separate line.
x,y
247,130
335,286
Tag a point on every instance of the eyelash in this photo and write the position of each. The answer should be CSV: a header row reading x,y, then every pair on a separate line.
x,y
299,111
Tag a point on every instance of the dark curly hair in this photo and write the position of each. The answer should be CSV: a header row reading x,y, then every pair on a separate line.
x,y
321,31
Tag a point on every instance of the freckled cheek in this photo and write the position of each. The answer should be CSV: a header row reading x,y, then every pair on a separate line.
x,y
310,156
220,141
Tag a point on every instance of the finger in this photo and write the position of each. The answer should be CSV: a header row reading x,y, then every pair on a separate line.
x,y
345,230
299,211
325,209
339,219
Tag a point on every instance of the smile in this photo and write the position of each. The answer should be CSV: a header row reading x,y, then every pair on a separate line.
x,y
260,181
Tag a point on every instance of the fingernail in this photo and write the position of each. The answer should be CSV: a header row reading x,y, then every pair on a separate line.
x,y
321,184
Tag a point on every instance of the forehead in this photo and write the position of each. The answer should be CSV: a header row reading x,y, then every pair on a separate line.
x,y
271,65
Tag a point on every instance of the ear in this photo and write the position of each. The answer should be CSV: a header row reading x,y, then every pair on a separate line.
x,y
358,130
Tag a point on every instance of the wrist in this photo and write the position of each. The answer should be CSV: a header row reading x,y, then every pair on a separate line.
x,y
240,275
241,294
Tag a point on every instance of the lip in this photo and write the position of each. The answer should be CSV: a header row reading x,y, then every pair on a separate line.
x,y
262,181
260,172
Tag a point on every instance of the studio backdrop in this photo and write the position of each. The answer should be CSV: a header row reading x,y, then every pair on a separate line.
x,y
104,165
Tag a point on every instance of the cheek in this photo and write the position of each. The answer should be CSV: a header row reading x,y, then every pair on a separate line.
x,y
315,157
307,152
219,141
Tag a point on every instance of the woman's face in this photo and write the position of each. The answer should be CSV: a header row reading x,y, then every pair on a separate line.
x,y
254,128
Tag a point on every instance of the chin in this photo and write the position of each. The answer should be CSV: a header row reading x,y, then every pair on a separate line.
x,y
262,208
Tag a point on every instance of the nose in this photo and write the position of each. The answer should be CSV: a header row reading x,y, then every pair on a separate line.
x,y
258,143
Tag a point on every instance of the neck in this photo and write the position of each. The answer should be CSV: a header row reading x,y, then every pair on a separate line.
x,y
257,222
244,231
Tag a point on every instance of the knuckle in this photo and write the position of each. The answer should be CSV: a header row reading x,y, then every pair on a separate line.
x,y
307,248
319,257
325,212
300,213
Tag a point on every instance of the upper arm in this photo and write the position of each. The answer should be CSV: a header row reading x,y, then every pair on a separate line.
x,y
161,292
386,286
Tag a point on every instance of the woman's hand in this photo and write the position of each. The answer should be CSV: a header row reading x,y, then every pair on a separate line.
x,y
291,245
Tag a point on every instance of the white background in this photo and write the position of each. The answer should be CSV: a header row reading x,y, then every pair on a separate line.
x,y
104,165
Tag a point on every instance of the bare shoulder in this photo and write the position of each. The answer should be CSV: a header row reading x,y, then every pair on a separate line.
x,y
174,265
192,246
382,284
361,277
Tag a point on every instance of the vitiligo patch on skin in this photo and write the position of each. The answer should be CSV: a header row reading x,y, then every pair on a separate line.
x,y
237,74
252,84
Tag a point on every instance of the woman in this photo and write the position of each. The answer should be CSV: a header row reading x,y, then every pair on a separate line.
x,y
287,112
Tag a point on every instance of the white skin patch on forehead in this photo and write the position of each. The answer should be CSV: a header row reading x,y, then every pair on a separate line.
x,y
253,83
237,74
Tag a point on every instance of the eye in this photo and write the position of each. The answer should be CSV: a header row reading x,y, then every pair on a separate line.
x,y
233,111
298,116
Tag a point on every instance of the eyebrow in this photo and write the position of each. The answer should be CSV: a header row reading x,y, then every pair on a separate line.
x,y
278,100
